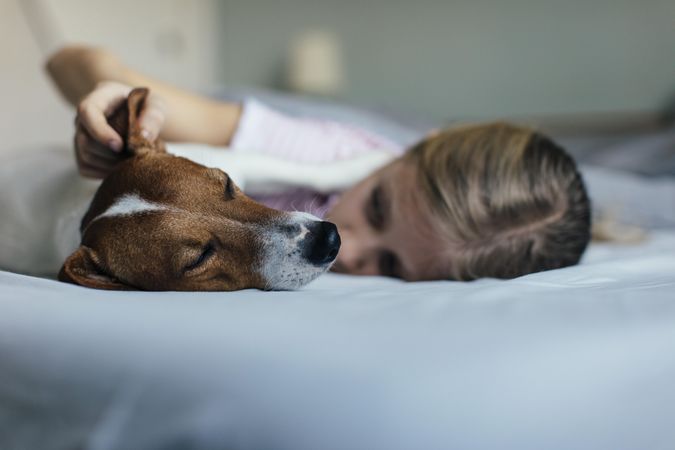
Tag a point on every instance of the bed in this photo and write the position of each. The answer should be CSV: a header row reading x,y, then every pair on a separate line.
x,y
576,358
580,358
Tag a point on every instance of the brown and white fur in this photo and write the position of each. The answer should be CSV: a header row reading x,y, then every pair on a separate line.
x,y
163,222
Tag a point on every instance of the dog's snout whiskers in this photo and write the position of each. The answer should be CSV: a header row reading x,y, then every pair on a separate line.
x,y
299,249
291,230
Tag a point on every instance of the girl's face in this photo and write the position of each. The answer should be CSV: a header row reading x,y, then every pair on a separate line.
x,y
385,228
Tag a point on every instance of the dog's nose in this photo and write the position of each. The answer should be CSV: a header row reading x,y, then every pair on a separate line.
x,y
321,244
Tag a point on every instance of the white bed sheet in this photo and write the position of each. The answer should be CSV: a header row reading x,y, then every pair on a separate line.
x,y
578,358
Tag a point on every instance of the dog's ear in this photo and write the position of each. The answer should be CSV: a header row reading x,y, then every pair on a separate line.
x,y
125,120
81,268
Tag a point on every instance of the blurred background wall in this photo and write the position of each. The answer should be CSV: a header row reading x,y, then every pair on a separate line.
x,y
171,39
438,59
475,58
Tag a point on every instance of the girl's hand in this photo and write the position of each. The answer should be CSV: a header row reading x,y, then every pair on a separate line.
x,y
97,145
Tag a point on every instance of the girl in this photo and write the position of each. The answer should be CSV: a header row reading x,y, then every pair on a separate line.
x,y
487,200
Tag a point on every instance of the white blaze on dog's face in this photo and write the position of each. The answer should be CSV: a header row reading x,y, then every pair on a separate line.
x,y
161,222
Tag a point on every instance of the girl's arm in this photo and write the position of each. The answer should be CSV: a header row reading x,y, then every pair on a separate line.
x,y
77,70
94,79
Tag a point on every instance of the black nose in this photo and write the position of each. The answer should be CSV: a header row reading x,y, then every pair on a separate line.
x,y
321,244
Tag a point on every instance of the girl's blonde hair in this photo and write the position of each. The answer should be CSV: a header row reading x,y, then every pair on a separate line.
x,y
510,201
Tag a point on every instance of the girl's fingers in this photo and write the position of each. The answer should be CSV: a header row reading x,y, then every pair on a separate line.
x,y
89,145
97,126
98,163
93,110
91,173
94,163
152,117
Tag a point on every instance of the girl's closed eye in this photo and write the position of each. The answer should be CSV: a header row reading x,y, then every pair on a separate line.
x,y
376,208
389,265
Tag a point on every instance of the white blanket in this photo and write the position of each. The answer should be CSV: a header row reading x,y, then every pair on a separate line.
x,y
578,358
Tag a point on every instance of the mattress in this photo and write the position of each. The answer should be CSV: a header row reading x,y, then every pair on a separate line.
x,y
576,358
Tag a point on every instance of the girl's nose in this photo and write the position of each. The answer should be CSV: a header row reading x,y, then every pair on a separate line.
x,y
353,257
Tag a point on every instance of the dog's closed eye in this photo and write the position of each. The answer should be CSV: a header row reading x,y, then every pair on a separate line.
x,y
206,253
229,186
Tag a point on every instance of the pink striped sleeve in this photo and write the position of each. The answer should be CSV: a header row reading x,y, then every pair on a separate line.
x,y
264,130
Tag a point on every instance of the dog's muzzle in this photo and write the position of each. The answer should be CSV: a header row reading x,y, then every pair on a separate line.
x,y
298,250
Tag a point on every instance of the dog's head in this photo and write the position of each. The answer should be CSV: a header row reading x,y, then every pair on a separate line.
x,y
160,222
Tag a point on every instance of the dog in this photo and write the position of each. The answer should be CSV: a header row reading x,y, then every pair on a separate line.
x,y
161,222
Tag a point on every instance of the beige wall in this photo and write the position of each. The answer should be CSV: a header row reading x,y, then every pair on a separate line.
x,y
29,110
172,39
